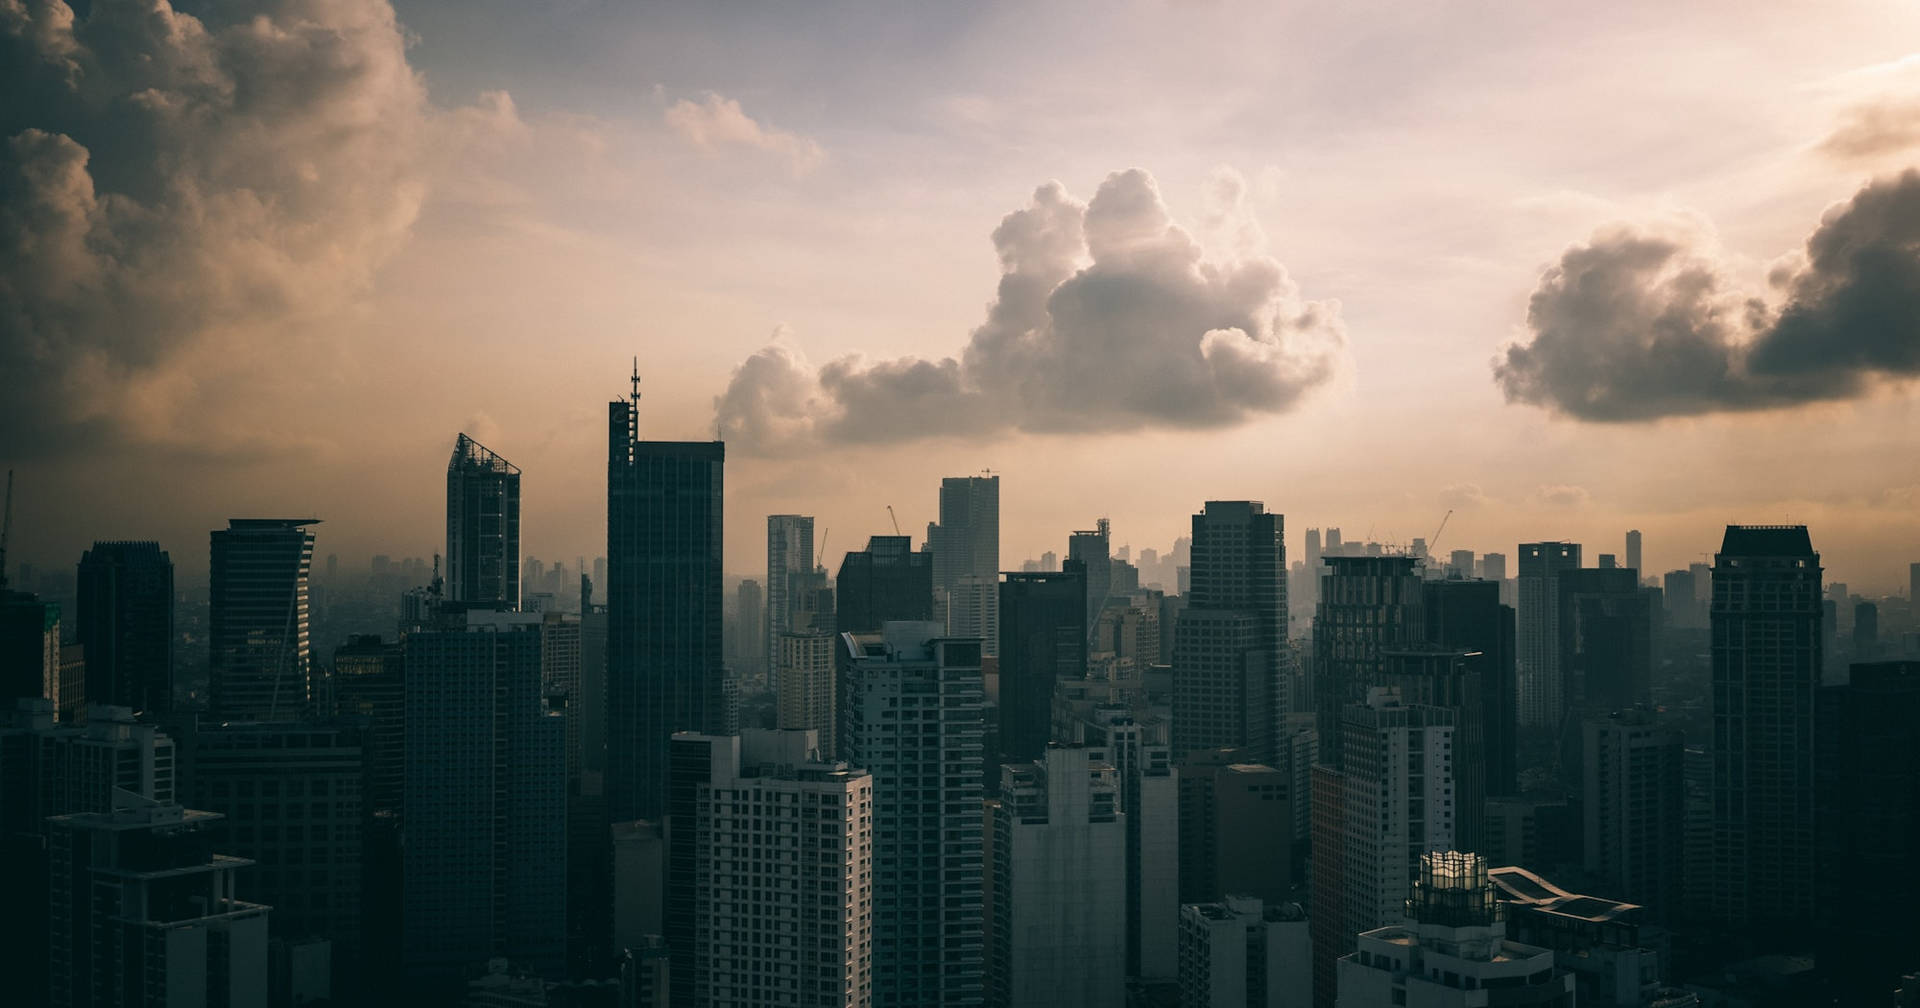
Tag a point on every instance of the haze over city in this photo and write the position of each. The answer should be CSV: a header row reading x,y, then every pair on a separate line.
x,y
1126,256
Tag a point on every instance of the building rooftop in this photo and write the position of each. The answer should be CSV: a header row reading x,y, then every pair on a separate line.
x,y
1518,885
1767,540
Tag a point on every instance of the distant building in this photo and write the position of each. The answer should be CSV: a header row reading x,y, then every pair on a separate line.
x,y
29,648
1633,807
125,622
1633,552
803,687
1057,933
1092,548
792,582
1766,669
770,883
1367,604
145,913
1043,642
1229,684
965,544
1240,952
483,527
887,582
259,619
1453,950
1542,693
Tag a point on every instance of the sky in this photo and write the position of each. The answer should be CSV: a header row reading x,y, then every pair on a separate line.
x,y
1564,270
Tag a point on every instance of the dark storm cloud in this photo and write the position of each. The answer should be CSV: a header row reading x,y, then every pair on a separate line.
x,y
1637,325
1108,318
172,186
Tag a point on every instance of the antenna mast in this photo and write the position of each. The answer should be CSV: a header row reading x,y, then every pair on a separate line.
x,y
6,531
636,383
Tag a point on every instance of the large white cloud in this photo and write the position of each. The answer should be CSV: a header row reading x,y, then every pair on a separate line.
x,y
1108,318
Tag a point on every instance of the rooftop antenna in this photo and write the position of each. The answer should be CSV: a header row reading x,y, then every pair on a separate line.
x,y
6,531
636,383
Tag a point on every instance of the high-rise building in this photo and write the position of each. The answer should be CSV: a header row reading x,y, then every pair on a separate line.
x,y
770,883
1367,604
748,638
1452,951
887,582
1242,952
1493,567
965,543
1684,611
1057,933
1605,640
1633,552
1043,642
1451,680
912,714
1866,631
664,666
1236,827
803,687
145,913
1467,616
1229,684
1150,798
1633,808
1612,948
260,664
125,622
1396,791
1460,564
29,648
1091,547
1867,808
291,794
369,685
1766,669
485,801
1542,694
790,577
483,526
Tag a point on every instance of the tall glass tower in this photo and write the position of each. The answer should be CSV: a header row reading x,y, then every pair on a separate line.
x,y
483,526
259,660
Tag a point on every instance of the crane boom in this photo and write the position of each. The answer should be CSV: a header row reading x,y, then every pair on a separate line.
x,y
1435,541
895,521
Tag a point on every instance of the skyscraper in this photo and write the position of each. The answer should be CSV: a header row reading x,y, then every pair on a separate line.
x,y
803,687
1466,616
770,883
887,582
369,682
1229,690
1058,931
1633,807
1092,549
1766,669
790,576
911,714
1236,824
965,543
1043,641
483,526
1633,553
259,610
1150,797
1542,693
1367,604
664,666
29,648
126,624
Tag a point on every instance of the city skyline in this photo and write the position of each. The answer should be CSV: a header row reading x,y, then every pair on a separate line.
x,y
637,197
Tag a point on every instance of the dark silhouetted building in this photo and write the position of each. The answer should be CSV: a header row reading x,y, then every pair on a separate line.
x,y
369,685
1229,683
483,526
1634,808
790,579
1766,669
1092,548
1466,616
260,663
125,623
1042,642
888,582
664,665
1367,604
1236,828
1542,690
29,648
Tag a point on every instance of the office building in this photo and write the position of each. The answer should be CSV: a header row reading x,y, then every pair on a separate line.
x,y
1150,800
1542,830
291,795
1043,642
664,667
1367,604
29,648
1467,616
1057,930
1450,680
1633,552
911,714
888,582
1867,809
1542,697
1493,567
1229,684
965,544
790,579
125,623
1452,951
483,527
1092,549
485,800
1766,669
1236,827
1397,802
143,912
1610,947
1241,952
369,687
260,663
803,687
1605,641
746,641
770,882
1866,632
1633,808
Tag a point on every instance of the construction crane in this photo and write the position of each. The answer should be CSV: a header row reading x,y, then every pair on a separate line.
x,y
820,555
1434,543
895,521
6,531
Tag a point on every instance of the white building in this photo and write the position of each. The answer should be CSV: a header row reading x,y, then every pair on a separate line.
x,y
770,872
1057,932
1150,800
1452,952
1240,952
803,686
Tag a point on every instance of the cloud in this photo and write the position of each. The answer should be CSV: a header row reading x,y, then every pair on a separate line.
x,y
1639,324
1108,318
1875,128
716,122
1562,496
174,191
1464,495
